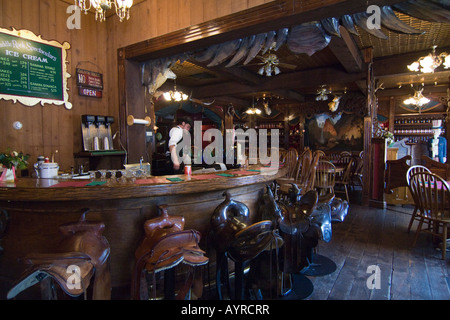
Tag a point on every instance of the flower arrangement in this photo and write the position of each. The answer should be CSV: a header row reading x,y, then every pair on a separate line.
x,y
389,136
14,159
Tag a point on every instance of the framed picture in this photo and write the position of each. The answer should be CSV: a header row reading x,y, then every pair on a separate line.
x,y
33,70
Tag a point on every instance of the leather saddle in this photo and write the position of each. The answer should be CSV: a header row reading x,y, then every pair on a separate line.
x,y
294,225
234,236
339,210
166,245
83,253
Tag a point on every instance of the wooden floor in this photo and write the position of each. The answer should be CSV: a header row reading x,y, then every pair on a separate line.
x,y
369,237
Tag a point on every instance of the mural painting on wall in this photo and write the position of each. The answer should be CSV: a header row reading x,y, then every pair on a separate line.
x,y
336,132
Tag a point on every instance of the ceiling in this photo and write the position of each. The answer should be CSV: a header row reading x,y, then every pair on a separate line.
x,y
339,66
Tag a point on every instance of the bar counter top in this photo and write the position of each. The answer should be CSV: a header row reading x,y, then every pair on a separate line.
x,y
30,189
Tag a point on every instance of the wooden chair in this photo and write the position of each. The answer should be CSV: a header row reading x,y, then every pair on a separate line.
x,y
412,170
305,180
320,153
304,162
441,169
358,173
303,165
325,180
345,154
290,161
432,196
345,179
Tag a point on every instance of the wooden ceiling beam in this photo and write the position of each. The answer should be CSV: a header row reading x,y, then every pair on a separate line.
x,y
289,94
347,52
267,17
235,73
289,81
438,90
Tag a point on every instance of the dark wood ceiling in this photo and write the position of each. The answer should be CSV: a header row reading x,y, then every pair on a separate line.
x,y
339,66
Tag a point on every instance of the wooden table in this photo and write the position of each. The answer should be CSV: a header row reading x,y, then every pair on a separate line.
x,y
36,207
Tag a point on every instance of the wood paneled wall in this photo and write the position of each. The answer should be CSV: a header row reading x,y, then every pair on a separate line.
x,y
94,47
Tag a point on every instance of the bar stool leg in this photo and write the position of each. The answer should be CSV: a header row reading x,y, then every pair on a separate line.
x,y
169,284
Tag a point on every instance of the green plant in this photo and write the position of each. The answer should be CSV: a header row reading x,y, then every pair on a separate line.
x,y
389,136
15,159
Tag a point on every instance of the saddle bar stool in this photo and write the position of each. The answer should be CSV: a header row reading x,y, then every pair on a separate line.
x,y
236,238
166,244
84,251
294,224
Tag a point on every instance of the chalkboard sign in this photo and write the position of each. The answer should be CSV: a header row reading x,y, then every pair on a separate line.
x,y
32,70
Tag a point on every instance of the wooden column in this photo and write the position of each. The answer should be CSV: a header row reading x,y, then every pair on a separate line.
x,y
391,114
378,161
447,121
367,167
368,128
132,102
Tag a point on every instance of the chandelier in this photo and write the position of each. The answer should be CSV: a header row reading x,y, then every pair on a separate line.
x,y
253,109
175,95
100,6
430,62
417,100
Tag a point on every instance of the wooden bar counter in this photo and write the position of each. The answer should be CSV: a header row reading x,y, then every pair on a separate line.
x,y
36,207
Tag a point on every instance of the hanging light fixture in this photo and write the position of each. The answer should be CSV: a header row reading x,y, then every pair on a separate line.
x,y
430,62
270,64
100,6
418,100
175,95
322,93
253,109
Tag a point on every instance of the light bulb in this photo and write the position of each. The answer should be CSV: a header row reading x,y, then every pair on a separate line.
x,y
414,66
177,96
277,71
447,62
167,96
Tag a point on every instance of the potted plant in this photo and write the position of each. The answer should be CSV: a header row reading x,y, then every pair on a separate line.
x,y
10,161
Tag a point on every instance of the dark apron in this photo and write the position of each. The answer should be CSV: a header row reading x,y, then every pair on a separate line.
x,y
181,170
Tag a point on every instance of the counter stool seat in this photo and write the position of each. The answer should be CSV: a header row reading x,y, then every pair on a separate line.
x,y
236,238
165,246
82,254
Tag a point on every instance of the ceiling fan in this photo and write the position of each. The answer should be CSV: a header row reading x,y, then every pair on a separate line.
x,y
270,64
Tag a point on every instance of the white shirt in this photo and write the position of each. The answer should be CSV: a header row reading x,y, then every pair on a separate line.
x,y
175,134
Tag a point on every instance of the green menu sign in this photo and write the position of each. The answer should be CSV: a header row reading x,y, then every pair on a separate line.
x,y
32,70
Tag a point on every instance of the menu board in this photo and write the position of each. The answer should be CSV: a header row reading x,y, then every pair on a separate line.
x,y
32,70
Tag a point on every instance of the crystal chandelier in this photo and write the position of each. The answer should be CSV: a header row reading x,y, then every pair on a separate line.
x,y
417,100
100,6
430,62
